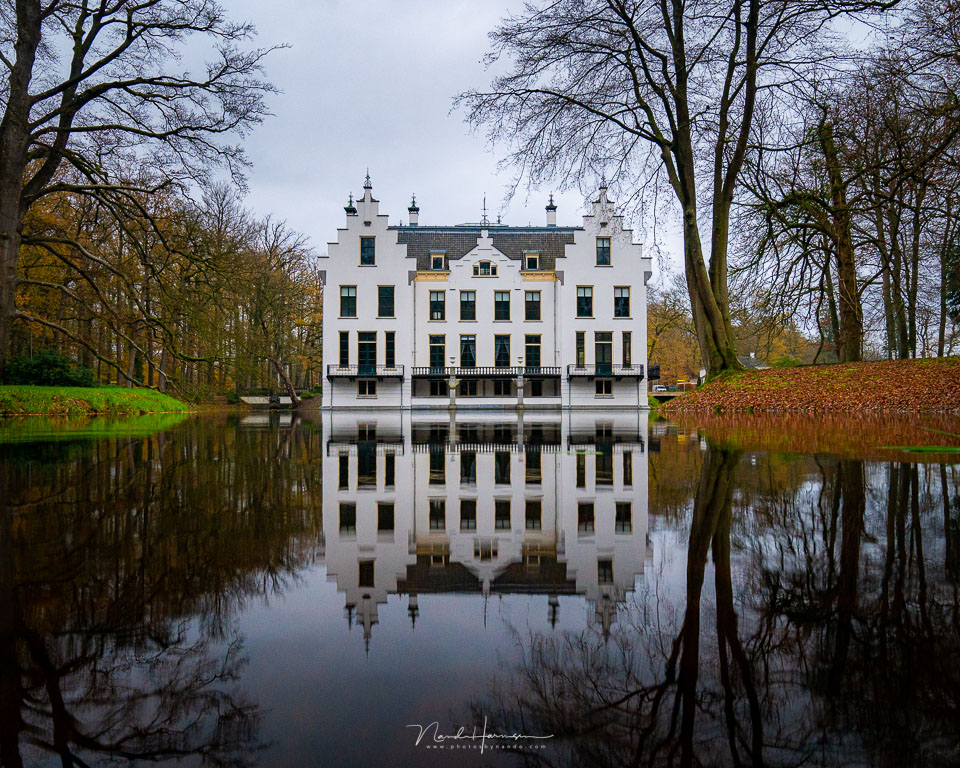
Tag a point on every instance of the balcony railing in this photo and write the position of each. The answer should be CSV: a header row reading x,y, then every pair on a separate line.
x,y
486,372
364,371
603,370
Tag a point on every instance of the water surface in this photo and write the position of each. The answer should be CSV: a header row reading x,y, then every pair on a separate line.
x,y
275,591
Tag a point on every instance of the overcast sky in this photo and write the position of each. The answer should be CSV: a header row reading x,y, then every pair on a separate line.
x,y
371,84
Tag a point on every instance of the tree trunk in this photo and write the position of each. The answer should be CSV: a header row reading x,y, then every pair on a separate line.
x,y
14,142
287,383
851,316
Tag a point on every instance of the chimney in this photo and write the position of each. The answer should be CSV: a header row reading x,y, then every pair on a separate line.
x,y
551,212
414,211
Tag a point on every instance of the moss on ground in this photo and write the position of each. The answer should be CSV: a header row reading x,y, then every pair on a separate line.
x,y
79,401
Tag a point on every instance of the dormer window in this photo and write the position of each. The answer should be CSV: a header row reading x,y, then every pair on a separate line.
x,y
368,251
531,261
484,269
603,251
436,261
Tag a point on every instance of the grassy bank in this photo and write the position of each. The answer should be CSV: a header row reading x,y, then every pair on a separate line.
x,y
896,386
77,401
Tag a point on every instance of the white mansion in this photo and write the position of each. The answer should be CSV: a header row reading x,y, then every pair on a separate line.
x,y
483,314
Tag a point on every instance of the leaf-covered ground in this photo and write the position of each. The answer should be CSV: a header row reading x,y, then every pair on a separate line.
x,y
897,386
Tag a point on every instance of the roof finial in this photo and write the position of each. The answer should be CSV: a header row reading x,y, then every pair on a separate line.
x,y
551,206
350,207
603,181
366,182
484,219
413,204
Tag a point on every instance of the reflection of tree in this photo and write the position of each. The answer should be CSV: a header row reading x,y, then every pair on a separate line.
x,y
836,637
638,704
120,569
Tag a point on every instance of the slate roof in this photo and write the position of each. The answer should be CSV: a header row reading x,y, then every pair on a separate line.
x,y
457,242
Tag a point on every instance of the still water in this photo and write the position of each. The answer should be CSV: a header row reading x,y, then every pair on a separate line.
x,y
279,591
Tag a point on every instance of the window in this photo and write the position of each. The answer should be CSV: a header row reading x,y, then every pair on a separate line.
x,y
621,302
581,470
436,261
501,351
348,518
485,549
390,349
368,251
533,514
604,465
626,351
604,388
344,472
533,467
384,515
389,470
603,251
438,351
585,517
624,520
438,514
501,388
531,305
468,352
532,351
501,305
367,353
344,349
365,575
468,467
438,305
468,305
439,388
581,349
531,260
468,388
536,388
603,352
501,468
628,467
385,301
438,466
468,514
367,465
484,269
605,571
501,514
348,301
584,301
366,388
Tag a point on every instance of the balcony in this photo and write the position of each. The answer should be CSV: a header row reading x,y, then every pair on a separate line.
x,y
365,371
604,370
487,372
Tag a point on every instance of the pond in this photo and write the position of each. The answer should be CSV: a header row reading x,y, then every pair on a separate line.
x,y
363,588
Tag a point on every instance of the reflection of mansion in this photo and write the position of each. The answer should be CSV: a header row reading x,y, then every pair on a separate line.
x,y
549,506
484,314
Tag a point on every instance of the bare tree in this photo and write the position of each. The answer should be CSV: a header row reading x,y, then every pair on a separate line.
x,y
658,90
92,86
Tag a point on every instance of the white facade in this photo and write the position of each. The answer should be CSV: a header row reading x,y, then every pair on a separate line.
x,y
548,505
484,315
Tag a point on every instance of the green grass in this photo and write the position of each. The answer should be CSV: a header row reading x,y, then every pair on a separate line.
x,y
79,401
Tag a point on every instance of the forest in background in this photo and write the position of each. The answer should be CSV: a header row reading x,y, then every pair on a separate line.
x,y
807,153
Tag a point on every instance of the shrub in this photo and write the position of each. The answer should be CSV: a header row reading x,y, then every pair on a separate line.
x,y
233,398
786,361
49,368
